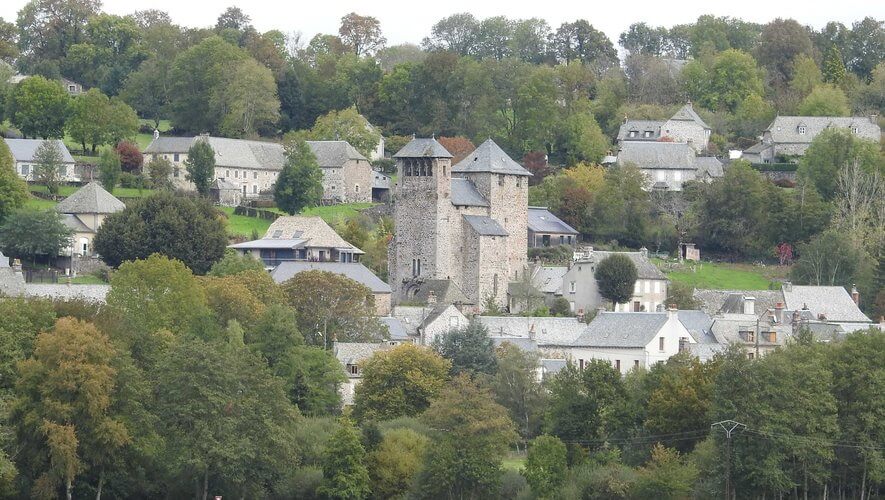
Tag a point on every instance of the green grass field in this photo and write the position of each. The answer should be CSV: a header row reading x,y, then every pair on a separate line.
x,y
514,462
241,225
144,139
118,192
39,203
333,213
723,276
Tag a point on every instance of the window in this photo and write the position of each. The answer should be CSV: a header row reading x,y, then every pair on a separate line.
x,y
633,133
561,239
255,174
772,337
237,174
175,157
25,169
647,285
356,188
353,369
254,189
416,267
657,287
750,336
227,174
618,364
750,355
637,287
677,176
572,287
63,170
72,88
571,306
500,180
176,172
660,343
581,364
519,182
495,285
661,175
854,129
635,363
802,129
647,133
453,322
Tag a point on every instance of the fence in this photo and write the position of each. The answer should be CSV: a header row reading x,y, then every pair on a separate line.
x,y
41,276
256,212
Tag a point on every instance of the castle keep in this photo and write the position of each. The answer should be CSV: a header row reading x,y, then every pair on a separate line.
x,y
466,224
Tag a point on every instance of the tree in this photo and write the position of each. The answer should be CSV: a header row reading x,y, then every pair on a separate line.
x,y
65,403
860,213
830,259
346,125
833,67
667,475
456,33
233,18
345,475
616,276
396,461
300,184
474,433
234,263
109,169
581,139
399,382
332,307
48,159
460,147
189,230
546,465
640,38
864,42
38,107
681,295
470,349
13,189
832,150
806,75
723,83
131,158
248,95
49,28
361,34
27,234
780,43
90,116
159,170
200,165
579,40
750,116
148,88
825,100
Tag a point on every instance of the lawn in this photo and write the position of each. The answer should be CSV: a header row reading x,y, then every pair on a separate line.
x,y
514,461
119,192
144,139
39,203
332,213
241,225
723,276
87,279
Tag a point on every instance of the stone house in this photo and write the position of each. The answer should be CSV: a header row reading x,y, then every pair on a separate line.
x,y
580,288
253,166
23,151
71,87
546,229
685,126
352,355
826,304
465,223
83,212
299,238
352,270
668,165
424,323
790,136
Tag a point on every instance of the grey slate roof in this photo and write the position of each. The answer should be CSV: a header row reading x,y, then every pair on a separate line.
x,y
380,181
224,185
697,323
640,127
423,148
352,270
552,366
444,292
395,328
658,155
540,220
91,293
727,329
524,344
785,129
545,331
333,154
351,353
715,302
90,199
464,194
705,352
23,149
485,226
832,301
74,224
709,165
622,329
687,113
233,153
488,157
645,269
548,279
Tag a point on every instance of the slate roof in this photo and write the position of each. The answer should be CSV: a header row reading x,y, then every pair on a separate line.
x,y
548,279
23,149
352,270
311,228
489,157
232,153
351,353
640,126
622,329
74,224
785,129
715,302
697,323
524,344
645,269
485,226
224,185
832,301
91,293
395,328
546,331
380,181
270,243
444,291
423,148
551,367
465,194
658,155
333,154
709,165
540,220
90,199
727,329
687,113
705,352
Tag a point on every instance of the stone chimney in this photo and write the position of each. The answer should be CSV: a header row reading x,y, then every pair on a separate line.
x,y
749,305
431,298
532,331
644,251
779,312
788,286
156,134
855,295
874,118
672,311
683,344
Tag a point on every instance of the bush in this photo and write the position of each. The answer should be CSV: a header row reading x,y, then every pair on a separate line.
x,y
512,484
304,483
133,181
785,183
130,156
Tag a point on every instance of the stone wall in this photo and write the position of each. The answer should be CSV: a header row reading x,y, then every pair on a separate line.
x,y
357,177
685,131
88,265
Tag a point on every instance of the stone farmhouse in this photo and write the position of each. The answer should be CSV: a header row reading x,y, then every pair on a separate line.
x,y
790,136
685,126
83,212
23,151
253,166
299,238
466,223
669,164
546,229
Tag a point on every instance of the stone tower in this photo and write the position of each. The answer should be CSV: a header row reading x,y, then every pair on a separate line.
x,y
421,213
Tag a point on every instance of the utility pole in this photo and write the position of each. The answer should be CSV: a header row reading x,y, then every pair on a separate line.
x,y
729,426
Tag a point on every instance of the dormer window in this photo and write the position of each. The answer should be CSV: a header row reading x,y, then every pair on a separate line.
x,y
802,129
633,133
647,133
854,129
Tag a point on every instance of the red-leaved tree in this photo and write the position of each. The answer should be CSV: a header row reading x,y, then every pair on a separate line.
x,y
130,157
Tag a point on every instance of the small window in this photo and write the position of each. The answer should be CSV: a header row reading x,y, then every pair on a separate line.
x,y
277,233
581,364
647,134
237,174
453,322
618,364
356,188
657,287
635,363
802,130
63,170
750,336
255,174
772,337
572,287
72,88
176,172
353,369
750,355
227,174
254,189
633,133
660,343
175,157
519,182
854,130
25,169
500,180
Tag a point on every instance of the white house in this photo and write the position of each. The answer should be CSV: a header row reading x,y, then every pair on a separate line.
x,y
23,151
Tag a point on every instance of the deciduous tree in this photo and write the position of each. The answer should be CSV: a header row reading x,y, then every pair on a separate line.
x,y
200,164
13,190
361,34
469,349
38,107
825,100
616,275
345,475
546,465
27,234
109,169
300,184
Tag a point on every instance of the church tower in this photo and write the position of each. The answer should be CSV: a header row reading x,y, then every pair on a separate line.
x,y
422,214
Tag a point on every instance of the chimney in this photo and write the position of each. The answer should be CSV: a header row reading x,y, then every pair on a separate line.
x,y
795,318
431,298
749,305
688,103
156,134
644,251
874,119
683,344
855,295
672,311
779,312
788,286
822,317
532,332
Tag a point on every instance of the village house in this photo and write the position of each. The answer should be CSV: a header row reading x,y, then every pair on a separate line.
x,y
83,212
353,270
789,136
253,166
668,165
465,223
685,126
299,238
424,323
826,304
546,229
23,151
352,356
71,87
